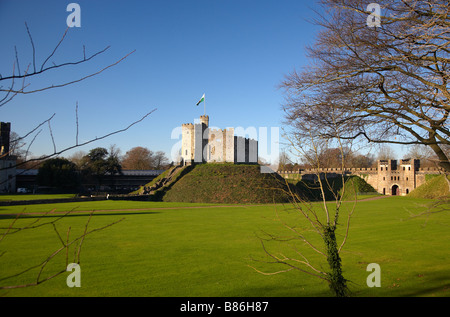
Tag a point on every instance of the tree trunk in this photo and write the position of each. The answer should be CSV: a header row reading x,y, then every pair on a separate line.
x,y
338,284
443,160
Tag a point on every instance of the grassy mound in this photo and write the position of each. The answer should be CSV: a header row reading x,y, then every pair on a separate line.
x,y
310,190
434,188
356,184
140,191
227,183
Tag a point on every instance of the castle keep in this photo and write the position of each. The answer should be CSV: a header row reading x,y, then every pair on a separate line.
x,y
202,144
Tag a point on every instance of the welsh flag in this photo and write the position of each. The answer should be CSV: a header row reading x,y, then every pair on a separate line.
x,y
201,100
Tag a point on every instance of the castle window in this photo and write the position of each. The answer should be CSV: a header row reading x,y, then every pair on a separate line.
x,y
186,152
384,178
403,168
392,178
381,167
407,191
409,168
384,191
406,178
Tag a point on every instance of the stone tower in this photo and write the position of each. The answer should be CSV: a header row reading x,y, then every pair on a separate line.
x,y
204,120
194,140
187,143
7,161
5,130
397,177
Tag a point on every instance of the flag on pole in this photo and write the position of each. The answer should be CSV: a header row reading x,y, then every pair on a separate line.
x,y
201,100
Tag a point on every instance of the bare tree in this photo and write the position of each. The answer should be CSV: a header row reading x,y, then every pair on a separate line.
x,y
77,158
160,160
322,218
34,70
385,152
16,147
389,82
283,160
426,156
66,240
17,83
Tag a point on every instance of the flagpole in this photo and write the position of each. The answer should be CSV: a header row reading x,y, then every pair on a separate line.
x,y
204,106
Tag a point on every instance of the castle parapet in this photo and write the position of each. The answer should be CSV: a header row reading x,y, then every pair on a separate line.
x,y
205,120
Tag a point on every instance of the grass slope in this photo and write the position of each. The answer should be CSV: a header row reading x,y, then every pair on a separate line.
x,y
310,190
356,185
434,188
227,183
153,182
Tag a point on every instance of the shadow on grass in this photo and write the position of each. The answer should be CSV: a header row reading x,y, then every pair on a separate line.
x,y
435,284
274,291
75,214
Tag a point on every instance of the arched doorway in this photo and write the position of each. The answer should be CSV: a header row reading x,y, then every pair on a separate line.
x,y
395,190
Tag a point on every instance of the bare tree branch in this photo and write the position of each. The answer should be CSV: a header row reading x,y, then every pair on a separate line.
x,y
390,83
65,246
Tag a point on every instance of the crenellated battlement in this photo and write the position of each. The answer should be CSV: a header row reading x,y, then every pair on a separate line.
x,y
205,120
217,131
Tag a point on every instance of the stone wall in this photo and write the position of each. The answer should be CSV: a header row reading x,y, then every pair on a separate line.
x,y
8,174
220,145
389,177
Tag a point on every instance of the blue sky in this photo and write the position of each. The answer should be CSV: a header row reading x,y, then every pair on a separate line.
x,y
236,52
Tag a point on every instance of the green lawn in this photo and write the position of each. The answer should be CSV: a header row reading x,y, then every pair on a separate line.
x,y
173,249
365,196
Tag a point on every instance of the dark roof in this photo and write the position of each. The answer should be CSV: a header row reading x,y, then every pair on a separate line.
x,y
142,172
32,172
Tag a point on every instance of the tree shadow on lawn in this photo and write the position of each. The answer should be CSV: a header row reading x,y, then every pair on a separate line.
x,y
435,284
74,214
274,291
